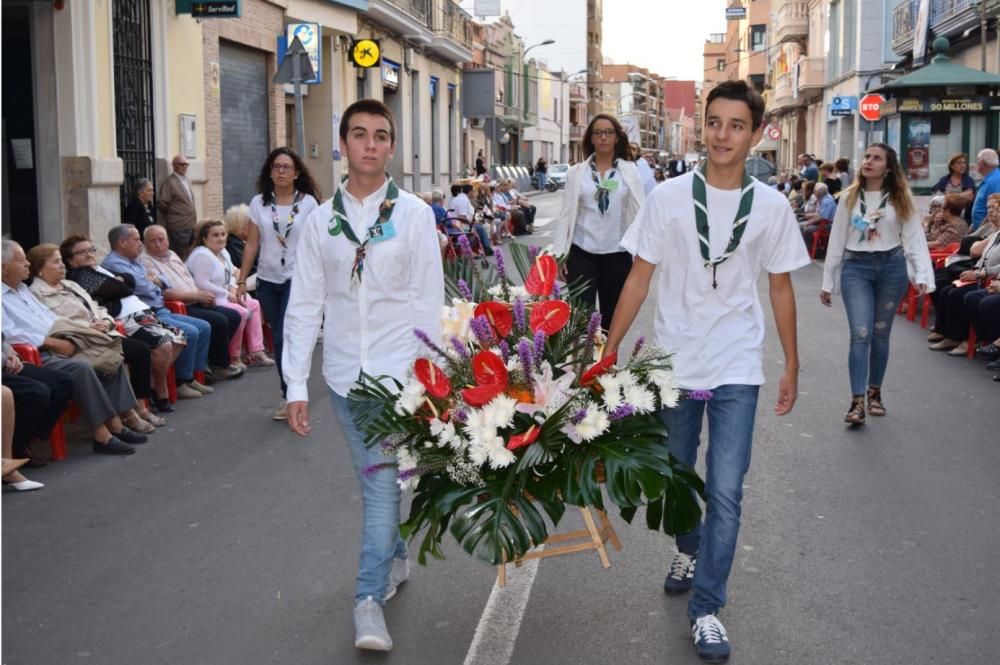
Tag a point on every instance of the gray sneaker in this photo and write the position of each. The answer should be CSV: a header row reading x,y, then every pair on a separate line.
x,y
369,626
399,574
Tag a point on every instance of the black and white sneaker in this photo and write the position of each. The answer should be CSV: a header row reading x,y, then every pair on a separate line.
x,y
681,574
710,639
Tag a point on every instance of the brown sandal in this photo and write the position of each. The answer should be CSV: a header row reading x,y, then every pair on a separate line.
x,y
856,414
875,405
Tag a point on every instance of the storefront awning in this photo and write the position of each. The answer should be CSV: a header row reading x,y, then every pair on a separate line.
x,y
766,145
942,72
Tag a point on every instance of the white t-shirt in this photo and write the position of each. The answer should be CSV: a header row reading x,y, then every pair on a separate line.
x,y
716,335
462,206
594,232
269,255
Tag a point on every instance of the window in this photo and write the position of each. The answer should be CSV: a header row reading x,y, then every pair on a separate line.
x,y
720,65
758,37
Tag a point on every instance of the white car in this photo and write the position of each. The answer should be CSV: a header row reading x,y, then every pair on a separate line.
x,y
557,173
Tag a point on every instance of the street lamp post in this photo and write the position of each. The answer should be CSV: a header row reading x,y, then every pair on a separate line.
x,y
520,104
564,145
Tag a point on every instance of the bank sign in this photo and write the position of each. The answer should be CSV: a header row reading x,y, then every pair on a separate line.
x,y
938,105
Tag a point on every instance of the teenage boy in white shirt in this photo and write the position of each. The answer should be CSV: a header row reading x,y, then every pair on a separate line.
x,y
368,258
712,231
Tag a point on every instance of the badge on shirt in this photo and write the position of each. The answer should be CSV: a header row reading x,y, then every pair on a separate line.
x,y
334,227
610,185
381,232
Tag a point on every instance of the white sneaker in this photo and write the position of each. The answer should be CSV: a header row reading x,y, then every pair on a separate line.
x,y
399,574
369,626
281,413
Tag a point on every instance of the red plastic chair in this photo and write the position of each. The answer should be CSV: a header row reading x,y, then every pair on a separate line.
x,y
821,237
57,437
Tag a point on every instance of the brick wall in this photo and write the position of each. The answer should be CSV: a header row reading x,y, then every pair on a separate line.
x,y
258,28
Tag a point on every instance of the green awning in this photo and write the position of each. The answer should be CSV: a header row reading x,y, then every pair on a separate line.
x,y
942,72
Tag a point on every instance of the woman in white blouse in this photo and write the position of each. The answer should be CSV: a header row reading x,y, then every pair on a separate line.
x,y
286,196
602,197
213,271
877,246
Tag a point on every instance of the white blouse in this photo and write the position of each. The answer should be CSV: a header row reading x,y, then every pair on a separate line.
x,y
594,232
270,251
211,273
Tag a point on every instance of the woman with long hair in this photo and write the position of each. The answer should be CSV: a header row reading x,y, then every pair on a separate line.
x,y
602,197
958,182
876,248
286,196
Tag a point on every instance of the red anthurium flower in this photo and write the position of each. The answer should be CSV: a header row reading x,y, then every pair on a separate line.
x,y
499,315
525,439
599,368
434,380
477,396
488,368
542,276
549,316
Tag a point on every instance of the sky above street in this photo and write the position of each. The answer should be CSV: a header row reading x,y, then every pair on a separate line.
x,y
665,36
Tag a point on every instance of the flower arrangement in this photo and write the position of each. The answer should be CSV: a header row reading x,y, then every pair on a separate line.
x,y
510,417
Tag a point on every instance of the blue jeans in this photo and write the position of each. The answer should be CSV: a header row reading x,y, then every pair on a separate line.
x,y
730,435
872,284
380,539
195,354
273,299
484,237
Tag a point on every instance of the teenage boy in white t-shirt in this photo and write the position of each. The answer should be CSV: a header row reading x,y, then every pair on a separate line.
x,y
711,232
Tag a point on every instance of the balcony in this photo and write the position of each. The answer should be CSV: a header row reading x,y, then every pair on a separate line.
x,y
452,38
576,132
408,17
812,75
948,18
577,93
783,93
792,22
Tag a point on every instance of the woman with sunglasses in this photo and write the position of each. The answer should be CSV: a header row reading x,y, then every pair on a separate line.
x,y
602,197
286,196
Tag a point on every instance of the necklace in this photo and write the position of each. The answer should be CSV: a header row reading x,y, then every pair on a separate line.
x,y
698,187
603,192
338,223
283,237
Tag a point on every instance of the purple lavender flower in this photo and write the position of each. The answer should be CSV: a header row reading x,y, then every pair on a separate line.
x,y
539,350
460,348
578,417
504,351
533,253
593,325
483,331
501,267
464,247
372,469
699,395
623,411
520,315
463,289
460,415
556,290
524,353
423,337
638,346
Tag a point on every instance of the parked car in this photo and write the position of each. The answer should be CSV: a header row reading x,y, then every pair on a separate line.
x,y
557,174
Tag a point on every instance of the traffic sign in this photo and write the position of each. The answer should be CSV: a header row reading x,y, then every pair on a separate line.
x,y
871,107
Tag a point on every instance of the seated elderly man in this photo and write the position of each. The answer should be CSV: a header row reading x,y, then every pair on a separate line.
x,y
178,284
826,208
126,247
100,398
516,199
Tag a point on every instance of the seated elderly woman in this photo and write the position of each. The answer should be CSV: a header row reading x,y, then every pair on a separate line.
x,y
140,212
100,386
951,324
213,271
946,226
236,219
68,300
115,294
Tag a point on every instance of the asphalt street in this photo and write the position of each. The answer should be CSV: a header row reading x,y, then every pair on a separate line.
x,y
229,540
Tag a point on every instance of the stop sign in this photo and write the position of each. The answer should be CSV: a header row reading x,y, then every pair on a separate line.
x,y
871,107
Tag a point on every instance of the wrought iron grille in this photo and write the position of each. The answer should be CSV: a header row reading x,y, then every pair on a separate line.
x,y
133,92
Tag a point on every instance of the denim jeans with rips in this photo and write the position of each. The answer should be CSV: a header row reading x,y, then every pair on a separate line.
x,y
731,414
380,539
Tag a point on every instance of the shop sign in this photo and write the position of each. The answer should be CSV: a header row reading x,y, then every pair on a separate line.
x,y
310,34
736,13
938,105
366,53
918,150
390,74
843,105
215,9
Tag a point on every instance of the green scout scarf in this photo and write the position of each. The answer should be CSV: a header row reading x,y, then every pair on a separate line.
x,y
701,218
338,223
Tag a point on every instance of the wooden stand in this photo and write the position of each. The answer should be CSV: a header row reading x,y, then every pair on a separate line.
x,y
593,539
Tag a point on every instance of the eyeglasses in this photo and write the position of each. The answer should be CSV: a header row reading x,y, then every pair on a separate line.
x,y
89,250
607,133
281,168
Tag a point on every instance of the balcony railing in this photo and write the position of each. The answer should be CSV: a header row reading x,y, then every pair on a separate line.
x,y
783,90
948,18
812,73
420,9
576,132
792,22
455,24
577,93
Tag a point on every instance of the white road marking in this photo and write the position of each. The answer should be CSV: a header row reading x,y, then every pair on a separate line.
x,y
500,623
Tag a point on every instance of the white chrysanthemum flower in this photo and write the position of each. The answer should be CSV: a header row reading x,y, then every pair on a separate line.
x,y
410,399
406,460
667,387
500,457
612,395
479,429
641,399
443,432
500,411
593,424
627,379
478,453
